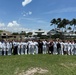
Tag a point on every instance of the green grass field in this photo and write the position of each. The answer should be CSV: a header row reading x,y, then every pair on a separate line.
x,y
55,64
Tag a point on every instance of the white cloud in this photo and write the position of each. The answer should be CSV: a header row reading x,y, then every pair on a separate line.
x,y
25,2
30,12
13,24
26,13
2,24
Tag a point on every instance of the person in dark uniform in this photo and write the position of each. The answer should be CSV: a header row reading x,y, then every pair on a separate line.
x,y
15,46
40,46
58,47
51,48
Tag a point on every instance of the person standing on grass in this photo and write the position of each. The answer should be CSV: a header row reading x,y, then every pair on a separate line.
x,y
4,48
58,47
0,48
40,47
44,46
22,51
72,47
32,47
48,42
62,47
25,45
55,47
10,48
51,48
29,46
36,46
15,46
69,48
75,48
65,47
19,48
7,47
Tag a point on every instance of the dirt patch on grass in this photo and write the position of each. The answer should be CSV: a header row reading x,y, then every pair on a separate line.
x,y
64,65
72,64
16,72
31,71
68,65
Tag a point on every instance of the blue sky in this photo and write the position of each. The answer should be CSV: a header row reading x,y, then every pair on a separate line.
x,y
29,15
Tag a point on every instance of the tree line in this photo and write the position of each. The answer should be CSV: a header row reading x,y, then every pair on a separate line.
x,y
64,24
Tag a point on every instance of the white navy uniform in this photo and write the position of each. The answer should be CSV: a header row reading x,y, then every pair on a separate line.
x,y
10,48
29,47
32,46
44,47
62,46
19,48
36,47
25,47
65,47
0,48
22,51
72,48
4,47
69,48
55,48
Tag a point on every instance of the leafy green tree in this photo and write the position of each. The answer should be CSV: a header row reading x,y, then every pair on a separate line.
x,y
29,34
15,33
73,23
23,33
54,22
65,22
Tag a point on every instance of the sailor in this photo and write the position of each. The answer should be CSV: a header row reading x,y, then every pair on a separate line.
x,y
15,46
22,51
40,44
10,48
44,46
32,44
51,48
65,47
75,48
48,44
36,47
0,48
19,48
29,46
69,47
55,47
58,47
72,47
25,44
7,47
4,47
62,47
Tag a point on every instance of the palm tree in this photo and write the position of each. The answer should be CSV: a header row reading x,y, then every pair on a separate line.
x,y
59,23
73,22
65,22
54,22
59,20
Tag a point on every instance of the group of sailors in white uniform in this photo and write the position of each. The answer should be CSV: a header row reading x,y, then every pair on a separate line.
x,y
33,47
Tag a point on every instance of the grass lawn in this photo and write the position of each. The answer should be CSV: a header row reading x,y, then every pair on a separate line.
x,y
55,64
